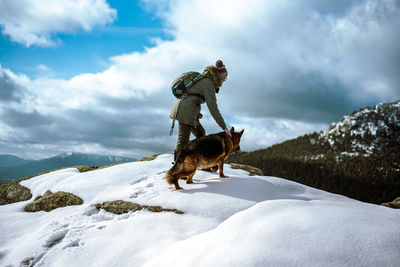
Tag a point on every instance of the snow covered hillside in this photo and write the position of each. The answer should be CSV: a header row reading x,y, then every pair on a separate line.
x,y
364,132
239,221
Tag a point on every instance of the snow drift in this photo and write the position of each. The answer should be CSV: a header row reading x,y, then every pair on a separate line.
x,y
239,221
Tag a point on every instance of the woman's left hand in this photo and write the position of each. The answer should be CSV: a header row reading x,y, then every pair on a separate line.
x,y
228,132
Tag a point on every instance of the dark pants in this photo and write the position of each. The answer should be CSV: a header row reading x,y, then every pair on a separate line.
x,y
184,134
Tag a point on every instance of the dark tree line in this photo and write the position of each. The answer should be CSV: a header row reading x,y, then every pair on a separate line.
x,y
373,178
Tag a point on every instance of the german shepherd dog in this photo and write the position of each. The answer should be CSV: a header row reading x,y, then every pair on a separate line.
x,y
205,152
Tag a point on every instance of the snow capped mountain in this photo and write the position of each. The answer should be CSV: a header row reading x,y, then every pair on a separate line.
x,y
239,221
370,130
93,158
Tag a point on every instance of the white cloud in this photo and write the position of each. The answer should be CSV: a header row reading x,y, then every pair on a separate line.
x,y
293,68
262,133
44,71
296,59
32,22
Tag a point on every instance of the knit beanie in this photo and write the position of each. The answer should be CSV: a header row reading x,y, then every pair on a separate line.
x,y
220,66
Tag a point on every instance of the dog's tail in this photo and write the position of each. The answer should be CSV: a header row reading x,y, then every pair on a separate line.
x,y
176,168
169,178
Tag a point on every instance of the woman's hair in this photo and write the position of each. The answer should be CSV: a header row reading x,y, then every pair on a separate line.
x,y
215,77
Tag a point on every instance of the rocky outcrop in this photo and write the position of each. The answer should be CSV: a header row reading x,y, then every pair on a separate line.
x,y
87,168
150,158
250,169
13,192
395,204
121,206
50,201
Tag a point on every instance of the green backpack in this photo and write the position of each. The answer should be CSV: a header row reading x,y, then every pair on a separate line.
x,y
181,84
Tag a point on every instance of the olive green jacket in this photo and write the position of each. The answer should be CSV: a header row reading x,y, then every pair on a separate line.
x,y
189,107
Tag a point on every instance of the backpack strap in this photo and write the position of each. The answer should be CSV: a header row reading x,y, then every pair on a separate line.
x,y
198,77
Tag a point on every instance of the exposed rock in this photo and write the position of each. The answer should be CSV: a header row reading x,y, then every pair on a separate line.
x,y
395,204
149,158
121,206
50,201
87,168
250,169
13,192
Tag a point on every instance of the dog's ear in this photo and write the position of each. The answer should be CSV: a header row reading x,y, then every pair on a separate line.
x,y
241,132
232,129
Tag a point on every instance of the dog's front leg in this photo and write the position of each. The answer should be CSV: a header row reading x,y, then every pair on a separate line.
x,y
221,169
214,168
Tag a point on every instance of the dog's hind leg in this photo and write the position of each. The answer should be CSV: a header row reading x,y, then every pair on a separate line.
x,y
172,179
176,183
221,169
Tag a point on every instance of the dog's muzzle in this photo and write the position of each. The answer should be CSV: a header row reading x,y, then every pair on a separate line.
x,y
237,150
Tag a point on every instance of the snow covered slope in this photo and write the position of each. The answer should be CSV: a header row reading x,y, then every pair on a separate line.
x,y
239,221
364,132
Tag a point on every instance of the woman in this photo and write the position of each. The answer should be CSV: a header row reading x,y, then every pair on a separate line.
x,y
188,111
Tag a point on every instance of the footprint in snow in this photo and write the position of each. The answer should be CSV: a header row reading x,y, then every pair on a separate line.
x,y
90,211
138,192
101,216
139,179
74,243
55,238
32,261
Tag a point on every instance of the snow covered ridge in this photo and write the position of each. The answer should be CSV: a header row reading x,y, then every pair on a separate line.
x,y
366,131
239,221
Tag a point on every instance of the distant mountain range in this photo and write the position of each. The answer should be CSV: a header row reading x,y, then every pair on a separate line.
x,y
359,156
10,160
12,167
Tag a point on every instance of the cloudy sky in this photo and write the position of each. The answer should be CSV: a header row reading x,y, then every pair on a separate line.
x,y
93,76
